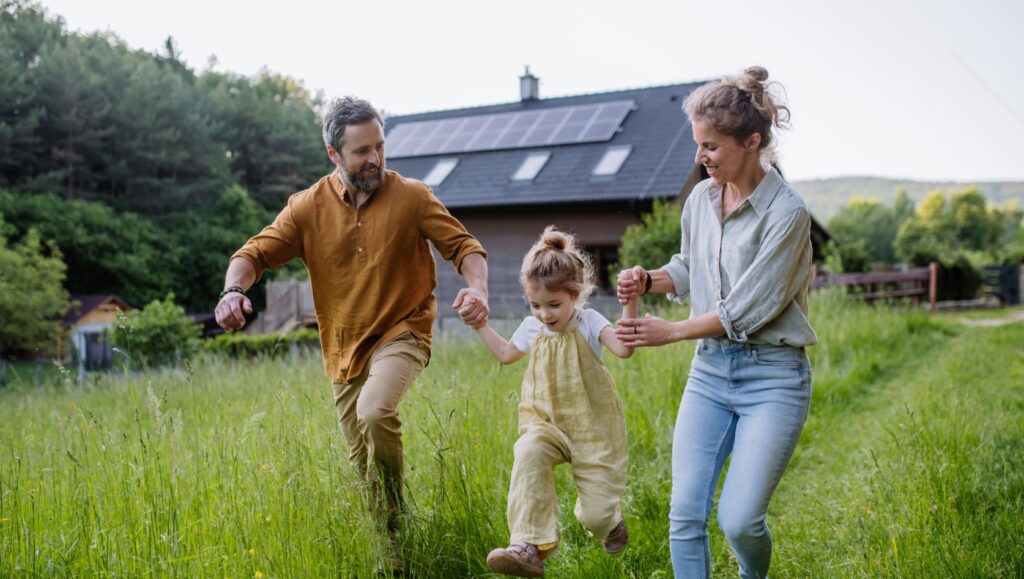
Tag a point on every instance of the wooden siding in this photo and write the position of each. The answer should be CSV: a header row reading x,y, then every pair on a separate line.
x,y
105,313
508,234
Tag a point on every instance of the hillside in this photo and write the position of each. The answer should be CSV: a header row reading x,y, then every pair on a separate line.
x,y
826,196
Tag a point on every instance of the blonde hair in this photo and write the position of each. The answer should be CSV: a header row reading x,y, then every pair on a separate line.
x,y
740,106
556,263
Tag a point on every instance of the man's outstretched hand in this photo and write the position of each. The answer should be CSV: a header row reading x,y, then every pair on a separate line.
x,y
231,310
472,307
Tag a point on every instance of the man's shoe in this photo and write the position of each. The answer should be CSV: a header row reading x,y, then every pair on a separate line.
x,y
518,559
392,565
616,541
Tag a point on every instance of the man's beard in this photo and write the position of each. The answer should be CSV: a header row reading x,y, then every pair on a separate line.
x,y
364,184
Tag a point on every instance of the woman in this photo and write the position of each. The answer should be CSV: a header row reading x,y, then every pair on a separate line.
x,y
744,264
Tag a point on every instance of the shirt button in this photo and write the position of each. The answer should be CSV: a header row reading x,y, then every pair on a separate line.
x,y
360,250
359,224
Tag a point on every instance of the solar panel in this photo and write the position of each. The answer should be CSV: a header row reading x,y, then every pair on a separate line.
x,y
555,126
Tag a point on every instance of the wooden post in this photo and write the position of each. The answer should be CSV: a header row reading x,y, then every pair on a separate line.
x,y
933,285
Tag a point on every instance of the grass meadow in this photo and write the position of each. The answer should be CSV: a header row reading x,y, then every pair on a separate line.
x,y
911,465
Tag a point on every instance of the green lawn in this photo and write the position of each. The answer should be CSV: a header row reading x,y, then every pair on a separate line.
x,y
29,373
911,465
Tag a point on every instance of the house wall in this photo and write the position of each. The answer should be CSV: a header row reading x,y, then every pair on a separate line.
x,y
507,235
697,174
79,337
104,315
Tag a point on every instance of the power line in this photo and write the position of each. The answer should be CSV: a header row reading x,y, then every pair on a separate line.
x,y
985,85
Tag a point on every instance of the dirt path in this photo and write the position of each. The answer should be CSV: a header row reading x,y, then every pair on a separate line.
x,y
1012,317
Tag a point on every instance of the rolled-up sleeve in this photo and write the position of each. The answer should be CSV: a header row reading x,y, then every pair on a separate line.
x,y
277,244
678,268
446,232
767,287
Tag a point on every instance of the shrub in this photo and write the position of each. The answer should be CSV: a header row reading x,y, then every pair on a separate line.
x,y
156,335
238,345
32,297
652,243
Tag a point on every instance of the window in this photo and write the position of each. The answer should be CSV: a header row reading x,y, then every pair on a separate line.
x,y
604,258
532,165
440,172
612,160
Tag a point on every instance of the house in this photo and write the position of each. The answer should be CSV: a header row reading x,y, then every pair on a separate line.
x,y
86,323
591,164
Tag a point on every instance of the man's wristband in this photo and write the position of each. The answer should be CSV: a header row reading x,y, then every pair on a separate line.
x,y
648,283
231,289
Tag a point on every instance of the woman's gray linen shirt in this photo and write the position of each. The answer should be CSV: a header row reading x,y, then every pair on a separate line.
x,y
753,269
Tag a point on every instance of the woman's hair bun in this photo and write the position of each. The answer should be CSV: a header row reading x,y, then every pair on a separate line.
x,y
758,73
752,81
740,106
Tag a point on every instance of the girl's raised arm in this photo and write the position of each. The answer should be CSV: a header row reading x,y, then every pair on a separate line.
x,y
503,350
611,341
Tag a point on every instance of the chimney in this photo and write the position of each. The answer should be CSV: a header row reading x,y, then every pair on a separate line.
x,y
529,86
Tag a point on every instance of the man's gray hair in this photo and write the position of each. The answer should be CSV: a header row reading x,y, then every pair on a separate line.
x,y
344,112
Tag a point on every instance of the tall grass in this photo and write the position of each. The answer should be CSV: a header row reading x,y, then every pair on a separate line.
x,y
909,466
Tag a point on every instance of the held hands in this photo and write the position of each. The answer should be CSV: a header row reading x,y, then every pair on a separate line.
x,y
472,306
631,283
646,331
231,310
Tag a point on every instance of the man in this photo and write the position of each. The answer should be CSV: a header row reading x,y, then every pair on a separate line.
x,y
362,232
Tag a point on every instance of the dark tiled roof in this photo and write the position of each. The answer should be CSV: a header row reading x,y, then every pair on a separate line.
x,y
660,160
85,303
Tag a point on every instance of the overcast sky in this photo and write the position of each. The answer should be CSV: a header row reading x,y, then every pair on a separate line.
x,y
916,89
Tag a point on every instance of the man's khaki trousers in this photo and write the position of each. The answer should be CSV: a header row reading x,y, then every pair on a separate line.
x,y
368,415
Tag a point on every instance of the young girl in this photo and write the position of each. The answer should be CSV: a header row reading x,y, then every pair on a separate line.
x,y
568,412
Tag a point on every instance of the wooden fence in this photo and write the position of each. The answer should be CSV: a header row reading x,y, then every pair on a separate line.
x,y
914,284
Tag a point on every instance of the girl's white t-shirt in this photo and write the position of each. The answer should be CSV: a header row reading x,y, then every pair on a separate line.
x,y
590,324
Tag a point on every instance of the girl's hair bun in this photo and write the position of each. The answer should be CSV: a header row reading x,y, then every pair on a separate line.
x,y
557,263
554,239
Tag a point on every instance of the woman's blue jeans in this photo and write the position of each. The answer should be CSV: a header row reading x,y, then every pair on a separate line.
x,y
750,401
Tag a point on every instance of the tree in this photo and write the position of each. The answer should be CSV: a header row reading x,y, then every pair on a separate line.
x,y
960,233
105,251
89,118
32,295
848,257
24,32
961,226
271,132
157,335
1014,252
204,240
652,243
870,224
169,155
1010,235
76,128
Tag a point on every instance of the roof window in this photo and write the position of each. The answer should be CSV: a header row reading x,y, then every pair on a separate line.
x,y
612,160
532,165
440,172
